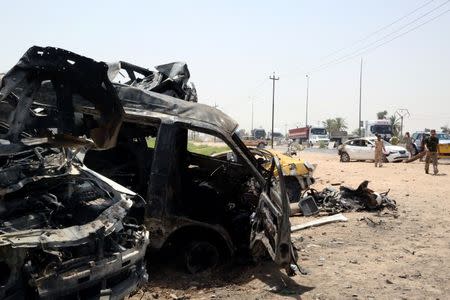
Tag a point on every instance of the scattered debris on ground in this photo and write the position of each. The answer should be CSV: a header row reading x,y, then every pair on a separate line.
x,y
333,201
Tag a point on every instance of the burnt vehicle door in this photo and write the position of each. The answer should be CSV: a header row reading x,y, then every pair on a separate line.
x,y
271,228
192,210
215,196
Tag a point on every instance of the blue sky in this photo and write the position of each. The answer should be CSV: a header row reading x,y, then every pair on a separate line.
x,y
232,47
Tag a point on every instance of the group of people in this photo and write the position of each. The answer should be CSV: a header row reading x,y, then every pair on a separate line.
x,y
429,148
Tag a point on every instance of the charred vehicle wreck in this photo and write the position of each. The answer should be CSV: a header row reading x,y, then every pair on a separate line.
x,y
136,134
65,231
203,206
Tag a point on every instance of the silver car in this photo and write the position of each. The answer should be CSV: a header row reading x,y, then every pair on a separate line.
x,y
364,149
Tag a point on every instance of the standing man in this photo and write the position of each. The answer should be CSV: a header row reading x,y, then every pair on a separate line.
x,y
422,147
409,144
431,148
379,149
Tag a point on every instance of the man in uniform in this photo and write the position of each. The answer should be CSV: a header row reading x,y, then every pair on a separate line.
x,y
379,149
431,148
409,144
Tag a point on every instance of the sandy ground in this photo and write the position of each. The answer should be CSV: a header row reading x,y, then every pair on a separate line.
x,y
403,257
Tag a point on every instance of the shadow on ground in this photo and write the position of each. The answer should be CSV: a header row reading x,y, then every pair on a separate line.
x,y
266,277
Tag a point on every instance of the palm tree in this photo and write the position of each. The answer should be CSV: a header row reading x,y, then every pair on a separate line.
x,y
382,115
395,125
329,125
340,124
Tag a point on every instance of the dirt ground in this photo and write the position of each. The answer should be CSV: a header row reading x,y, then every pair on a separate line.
x,y
403,257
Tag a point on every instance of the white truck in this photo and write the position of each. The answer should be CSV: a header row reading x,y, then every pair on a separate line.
x,y
312,135
382,127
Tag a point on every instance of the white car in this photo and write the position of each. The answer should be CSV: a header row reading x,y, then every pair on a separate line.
x,y
364,149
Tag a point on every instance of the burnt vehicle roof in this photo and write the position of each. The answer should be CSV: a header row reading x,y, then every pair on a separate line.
x,y
68,74
139,104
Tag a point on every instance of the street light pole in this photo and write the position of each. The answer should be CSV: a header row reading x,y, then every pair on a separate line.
x,y
360,94
273,78
307,98
251,131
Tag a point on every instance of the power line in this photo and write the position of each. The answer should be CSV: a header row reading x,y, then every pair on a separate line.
x,y
371,46
259,85
365,38
358,51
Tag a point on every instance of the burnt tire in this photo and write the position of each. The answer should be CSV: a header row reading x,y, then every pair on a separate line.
x,y
293,189
200,256
345,157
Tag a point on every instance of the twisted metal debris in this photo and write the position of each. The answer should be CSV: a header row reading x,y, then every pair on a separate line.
x,y
345,199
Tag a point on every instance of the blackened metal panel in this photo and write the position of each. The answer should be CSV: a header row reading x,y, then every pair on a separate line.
x,y
71,74
169,161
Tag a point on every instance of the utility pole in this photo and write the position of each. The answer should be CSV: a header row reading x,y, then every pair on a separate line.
x,y
307,98
402,112
273,78
251,130
360,94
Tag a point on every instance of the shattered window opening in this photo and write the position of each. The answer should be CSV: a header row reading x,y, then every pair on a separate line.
x,y
205,144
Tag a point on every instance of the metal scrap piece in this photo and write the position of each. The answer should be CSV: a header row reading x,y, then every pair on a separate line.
x,y
321,221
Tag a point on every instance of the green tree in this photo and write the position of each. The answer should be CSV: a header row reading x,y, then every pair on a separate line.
x,y
445,129
335,125
395,124
382,115
340,124
329,125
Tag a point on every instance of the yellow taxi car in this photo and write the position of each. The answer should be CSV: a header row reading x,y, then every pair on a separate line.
x,y
444,150
297,172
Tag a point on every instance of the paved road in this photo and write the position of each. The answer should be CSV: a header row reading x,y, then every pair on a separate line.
x,y
283,148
